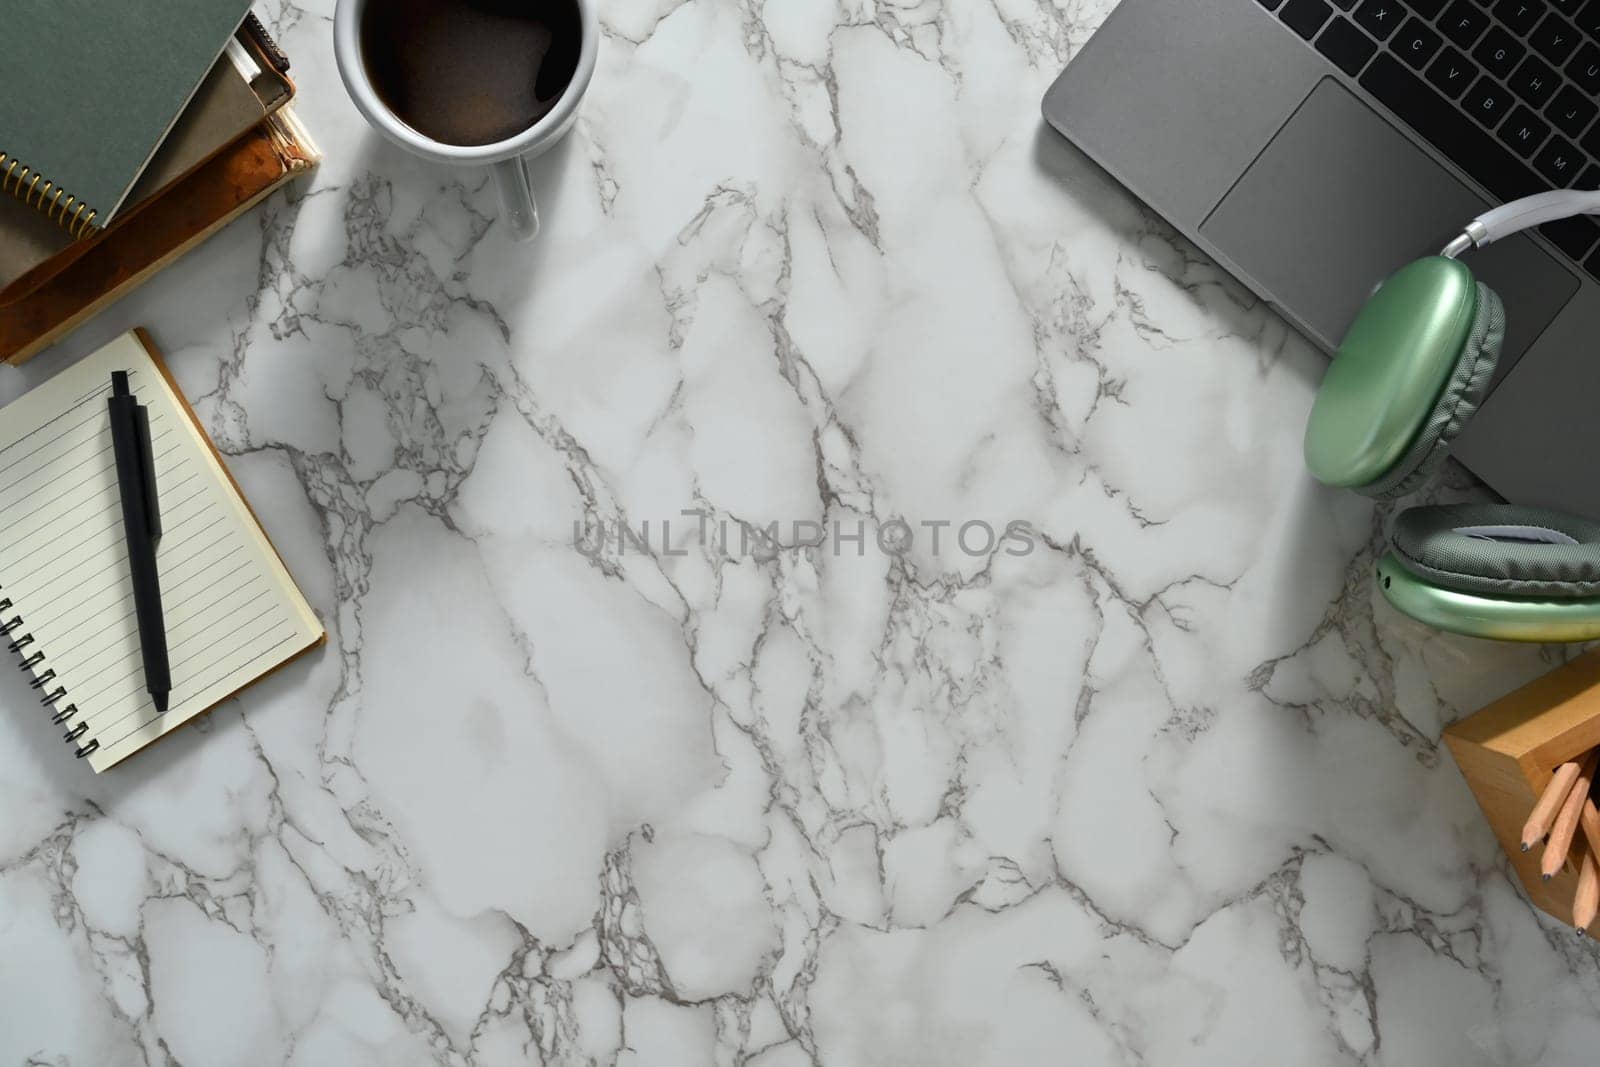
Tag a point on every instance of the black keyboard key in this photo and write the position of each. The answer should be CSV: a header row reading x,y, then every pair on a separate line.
x,y
1592,265
1520,15
1428,9
1555,39
1524,132
1452,72
1570,7
1571,111
1347,46
1591,141
1487,102
1270,5
1464,23
1589,179
1535,82
1573,236
1305,17
1589,18
1415,43
1443,125
1380,17
1344,5
1585,69
1499,51
1559,161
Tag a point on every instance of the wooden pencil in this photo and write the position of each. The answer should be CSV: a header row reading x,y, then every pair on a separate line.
x,y
1590,821
1566,824
1544,812
1587,902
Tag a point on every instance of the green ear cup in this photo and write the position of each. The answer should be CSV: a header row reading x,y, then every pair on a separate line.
x,y
1500,550
1411,370
1497,618
1463,392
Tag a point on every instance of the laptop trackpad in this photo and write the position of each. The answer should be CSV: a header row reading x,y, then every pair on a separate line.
x,y
1339,200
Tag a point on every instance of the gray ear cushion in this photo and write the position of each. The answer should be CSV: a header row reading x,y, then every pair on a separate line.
x,y
1461,397
1500,550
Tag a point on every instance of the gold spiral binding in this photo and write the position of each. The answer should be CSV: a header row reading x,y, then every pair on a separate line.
x,y
35,190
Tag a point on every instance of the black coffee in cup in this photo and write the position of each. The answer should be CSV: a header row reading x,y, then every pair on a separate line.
x,y
470,72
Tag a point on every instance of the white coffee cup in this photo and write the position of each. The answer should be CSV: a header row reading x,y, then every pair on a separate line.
x,y
507,159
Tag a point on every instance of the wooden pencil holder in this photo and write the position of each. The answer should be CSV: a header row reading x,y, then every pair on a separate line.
x,y
1508,753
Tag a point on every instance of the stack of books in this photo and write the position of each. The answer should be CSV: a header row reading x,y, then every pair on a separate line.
x,y
116,159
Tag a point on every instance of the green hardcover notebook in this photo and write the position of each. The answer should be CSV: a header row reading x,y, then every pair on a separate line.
x,y
91,88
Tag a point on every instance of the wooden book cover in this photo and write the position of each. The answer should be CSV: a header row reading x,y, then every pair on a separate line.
x,y
186,214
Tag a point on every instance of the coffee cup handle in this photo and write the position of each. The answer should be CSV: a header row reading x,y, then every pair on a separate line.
x,y
517,206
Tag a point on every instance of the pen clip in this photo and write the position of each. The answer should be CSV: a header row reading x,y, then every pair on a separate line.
x,y
147,470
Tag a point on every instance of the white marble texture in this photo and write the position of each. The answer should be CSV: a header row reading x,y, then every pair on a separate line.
x,y
1167,789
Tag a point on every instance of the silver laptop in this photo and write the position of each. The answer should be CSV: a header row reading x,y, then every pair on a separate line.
x,y
1314,146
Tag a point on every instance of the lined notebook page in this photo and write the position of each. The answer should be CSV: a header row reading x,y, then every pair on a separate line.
x,y
232,611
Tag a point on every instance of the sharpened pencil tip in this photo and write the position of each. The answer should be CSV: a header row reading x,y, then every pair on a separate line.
x,y
160,700
1526,846
1545,877
1582,932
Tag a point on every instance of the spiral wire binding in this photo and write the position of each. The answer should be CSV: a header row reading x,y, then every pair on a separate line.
x,y
34,189
30,662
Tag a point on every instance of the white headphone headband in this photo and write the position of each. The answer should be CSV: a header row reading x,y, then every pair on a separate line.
x,y
1523,214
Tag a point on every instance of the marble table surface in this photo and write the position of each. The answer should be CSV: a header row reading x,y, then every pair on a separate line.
x,y
826,762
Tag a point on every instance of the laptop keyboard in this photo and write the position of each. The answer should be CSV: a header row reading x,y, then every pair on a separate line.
x,y
1505,89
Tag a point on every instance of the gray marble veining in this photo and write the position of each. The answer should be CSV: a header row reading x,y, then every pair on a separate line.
x,y
1166,787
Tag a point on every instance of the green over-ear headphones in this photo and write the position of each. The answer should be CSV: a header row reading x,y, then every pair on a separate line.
x,y
1412,369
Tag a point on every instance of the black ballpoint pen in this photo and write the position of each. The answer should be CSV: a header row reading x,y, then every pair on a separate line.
x,y
141,522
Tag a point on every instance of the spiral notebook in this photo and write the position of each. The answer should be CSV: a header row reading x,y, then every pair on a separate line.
x,y
242,89
91,89
233,614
